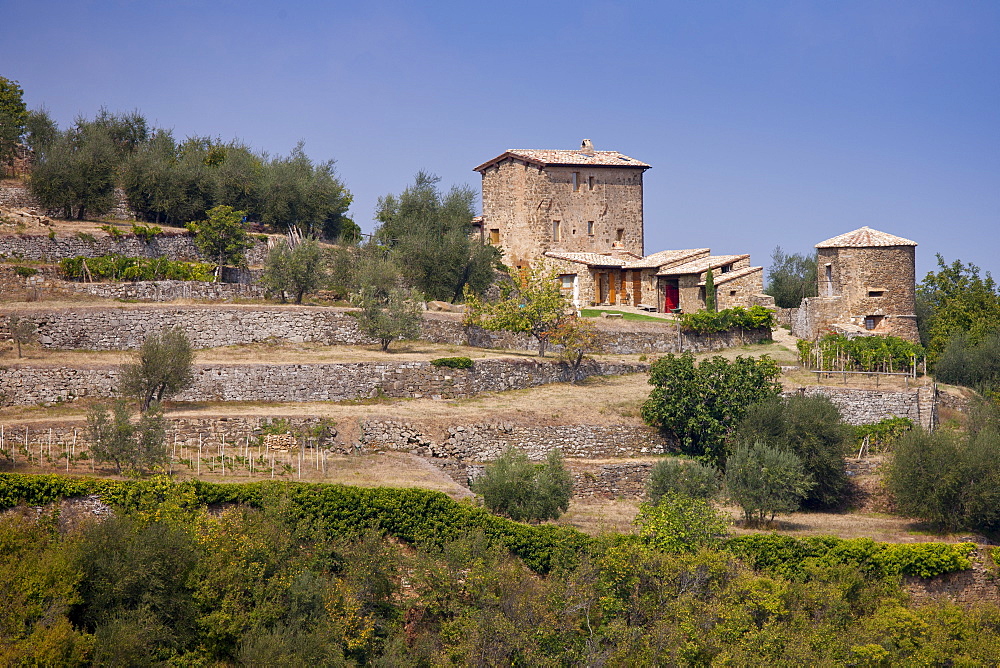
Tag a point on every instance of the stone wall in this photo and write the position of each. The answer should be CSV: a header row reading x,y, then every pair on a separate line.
x,y
173,246
486,441
785,316
979,584
165,291
616,480
861,406
27,385
14,194
118,328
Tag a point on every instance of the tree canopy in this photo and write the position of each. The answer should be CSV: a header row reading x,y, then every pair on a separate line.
x,y
161,369
956,300
790,278
13,116
431,230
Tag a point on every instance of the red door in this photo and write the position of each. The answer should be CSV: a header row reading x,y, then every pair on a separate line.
x,y
672,297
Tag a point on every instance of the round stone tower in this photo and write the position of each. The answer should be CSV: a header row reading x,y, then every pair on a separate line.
x,y
874,276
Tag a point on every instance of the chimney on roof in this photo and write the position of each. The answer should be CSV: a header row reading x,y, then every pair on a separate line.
x,y
587,147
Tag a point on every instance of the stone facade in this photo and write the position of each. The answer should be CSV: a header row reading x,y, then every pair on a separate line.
x,y
28,385
866,286
583,201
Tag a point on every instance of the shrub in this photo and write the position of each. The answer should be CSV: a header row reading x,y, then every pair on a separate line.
x,y
453,362
811,428
146,232
672,476
883,435
765,480
700,404
513,486
709,322
25,272
680,523
112,231
948,480
120,267
975,365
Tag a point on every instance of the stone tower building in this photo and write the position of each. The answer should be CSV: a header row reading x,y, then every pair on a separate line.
x,y
866,285
583,201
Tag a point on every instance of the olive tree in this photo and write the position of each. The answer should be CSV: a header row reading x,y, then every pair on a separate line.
x,y
222,237
133,447
295,270
513,486
388,317
21,330
765,480
162,368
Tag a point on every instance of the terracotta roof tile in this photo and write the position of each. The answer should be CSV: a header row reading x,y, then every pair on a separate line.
x,y
666,257
559,157
734,274
865,237
592,259
700,265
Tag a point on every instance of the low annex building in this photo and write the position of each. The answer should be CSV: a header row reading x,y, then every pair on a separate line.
x,y
866,282
581,211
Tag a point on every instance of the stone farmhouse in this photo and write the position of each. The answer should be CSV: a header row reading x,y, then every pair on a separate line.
x,y
866,286
581,212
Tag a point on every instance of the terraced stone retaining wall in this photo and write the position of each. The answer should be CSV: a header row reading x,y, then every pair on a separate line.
x,y
27,385
117,328
173,246
862,406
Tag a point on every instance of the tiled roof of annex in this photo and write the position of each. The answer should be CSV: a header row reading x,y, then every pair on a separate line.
x,y
666,257
734,274
592,259
559,157
700,265
865,237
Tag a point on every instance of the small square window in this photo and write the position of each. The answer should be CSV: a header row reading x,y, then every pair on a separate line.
x,y
876,293
495,236
732,293
590,182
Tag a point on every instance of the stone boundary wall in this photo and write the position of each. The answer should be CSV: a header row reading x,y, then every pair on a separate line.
x,y
27,385
619,480
979,584
173,246
785,316
14,194
115,328
486,441
165,291
862,406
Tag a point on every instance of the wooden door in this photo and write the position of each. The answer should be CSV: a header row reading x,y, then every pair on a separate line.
x,y
636,288
612,283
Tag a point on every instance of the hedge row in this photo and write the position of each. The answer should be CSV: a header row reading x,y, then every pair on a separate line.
x,y
432,518
124,268
709,322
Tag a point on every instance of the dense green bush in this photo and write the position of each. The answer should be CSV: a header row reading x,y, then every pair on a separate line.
x,y
709,322
764,480
680,523
811,428
699,404
792,557
453,362
25,272
513,486
950,480
687,478
883,435
122,268
972,364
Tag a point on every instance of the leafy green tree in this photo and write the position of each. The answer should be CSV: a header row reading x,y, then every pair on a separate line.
x,y
13,116
530,303
21,331
576,338
681,523
764,480
790,278
700,404
687,478
710,292
77,171
956,300
810,427
133,447
222,237
297,193
162,369
430,234
295,270
513,486
390,316
40,130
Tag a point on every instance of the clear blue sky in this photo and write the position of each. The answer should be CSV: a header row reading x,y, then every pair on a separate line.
x,y
766,122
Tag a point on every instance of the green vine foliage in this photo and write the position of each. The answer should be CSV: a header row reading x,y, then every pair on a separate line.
x,y
712,322
882,435
123,268
862,353
453,362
